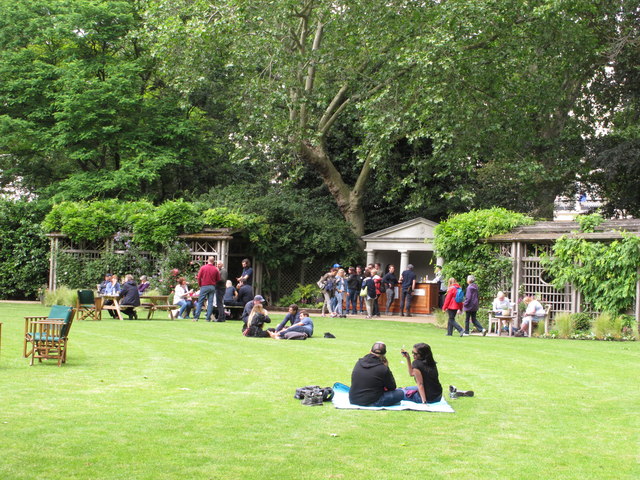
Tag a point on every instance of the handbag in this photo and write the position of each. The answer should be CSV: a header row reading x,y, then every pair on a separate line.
x,y
363,292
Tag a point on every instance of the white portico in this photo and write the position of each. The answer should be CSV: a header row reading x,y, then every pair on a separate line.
x,y
408,242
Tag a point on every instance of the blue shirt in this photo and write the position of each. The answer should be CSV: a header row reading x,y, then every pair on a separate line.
x,y
247,272
408,276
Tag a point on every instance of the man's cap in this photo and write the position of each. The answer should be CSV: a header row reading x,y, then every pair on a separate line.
x,y
108,275
258,298
379,348
336,265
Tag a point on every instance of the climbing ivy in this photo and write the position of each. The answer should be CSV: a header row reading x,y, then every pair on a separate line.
x,y
605,273
459,242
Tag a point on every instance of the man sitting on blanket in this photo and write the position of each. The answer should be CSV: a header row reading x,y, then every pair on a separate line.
x,y
372,383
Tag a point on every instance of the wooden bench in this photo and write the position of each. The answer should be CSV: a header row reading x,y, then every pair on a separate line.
x,y
234,309
157,302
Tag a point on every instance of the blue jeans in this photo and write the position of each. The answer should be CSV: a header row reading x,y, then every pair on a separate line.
x,y
185,306
352,300
207,293
389,398
336,303
297,328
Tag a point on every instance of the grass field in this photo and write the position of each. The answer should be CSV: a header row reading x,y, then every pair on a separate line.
x,y
183,400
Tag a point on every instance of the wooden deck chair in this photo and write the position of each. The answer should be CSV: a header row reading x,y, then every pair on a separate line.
x,y
47,337
87,307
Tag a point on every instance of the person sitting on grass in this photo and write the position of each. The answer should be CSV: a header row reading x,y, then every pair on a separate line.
x,y
257,318
372,383
424,371
303,325
291,317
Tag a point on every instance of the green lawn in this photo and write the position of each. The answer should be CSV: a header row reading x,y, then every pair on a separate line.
x,y
183,400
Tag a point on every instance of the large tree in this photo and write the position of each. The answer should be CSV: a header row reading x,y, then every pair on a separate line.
x,y
488,85
84,112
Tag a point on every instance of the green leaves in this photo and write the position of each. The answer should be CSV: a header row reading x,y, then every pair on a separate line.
x,y
459,242
605,273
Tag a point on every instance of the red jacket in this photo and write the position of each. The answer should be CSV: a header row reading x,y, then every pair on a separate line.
x,y
450,300
208,275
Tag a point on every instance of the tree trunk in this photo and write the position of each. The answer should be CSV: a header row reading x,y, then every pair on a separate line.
x,y
349,200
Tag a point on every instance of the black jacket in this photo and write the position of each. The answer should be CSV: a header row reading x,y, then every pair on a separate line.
x,y
369,380
129,294
245,294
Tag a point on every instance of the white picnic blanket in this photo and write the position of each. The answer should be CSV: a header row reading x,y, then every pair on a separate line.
x,y
341,400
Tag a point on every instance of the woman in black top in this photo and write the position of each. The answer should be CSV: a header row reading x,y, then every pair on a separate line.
x,y
425,372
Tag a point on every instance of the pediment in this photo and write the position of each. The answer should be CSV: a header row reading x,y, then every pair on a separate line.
x,y
416,229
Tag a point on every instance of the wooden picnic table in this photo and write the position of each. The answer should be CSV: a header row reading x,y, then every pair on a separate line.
x,y
152,303
115,298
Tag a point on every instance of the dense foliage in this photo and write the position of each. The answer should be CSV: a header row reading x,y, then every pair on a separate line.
x,y
24,249
459,243
605,273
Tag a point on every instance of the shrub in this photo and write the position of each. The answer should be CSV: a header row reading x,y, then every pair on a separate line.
x,y
459,242
63,295
441,318
607,326
305,296
582,322
565,325
24,248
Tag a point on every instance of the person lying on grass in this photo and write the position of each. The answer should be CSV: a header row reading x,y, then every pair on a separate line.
x,y
304,325
424,371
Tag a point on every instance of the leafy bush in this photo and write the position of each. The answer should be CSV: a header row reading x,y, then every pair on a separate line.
x,y
588,266
24,249
305,296
582,322
458,242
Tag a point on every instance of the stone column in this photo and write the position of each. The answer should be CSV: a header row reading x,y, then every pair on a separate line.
x,y
404,260
371,256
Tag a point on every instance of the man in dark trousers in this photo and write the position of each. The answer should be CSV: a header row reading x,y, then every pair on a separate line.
x,y
408,280
129,297
220,289
208,277
372,383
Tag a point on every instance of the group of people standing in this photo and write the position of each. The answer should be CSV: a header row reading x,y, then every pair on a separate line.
x,y
215,289
357,289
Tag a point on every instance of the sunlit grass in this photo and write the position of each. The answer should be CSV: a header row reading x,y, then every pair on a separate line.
x,y
183,400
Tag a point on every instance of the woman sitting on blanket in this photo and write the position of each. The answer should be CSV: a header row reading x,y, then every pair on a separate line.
x,y
425,372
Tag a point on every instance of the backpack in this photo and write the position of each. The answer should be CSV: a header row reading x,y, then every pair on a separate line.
x,y
330,284
459,295
327,392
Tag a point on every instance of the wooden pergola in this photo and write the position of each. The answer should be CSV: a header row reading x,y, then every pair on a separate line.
x,y
525,244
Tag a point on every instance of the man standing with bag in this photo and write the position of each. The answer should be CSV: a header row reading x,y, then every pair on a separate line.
x,y
208,277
